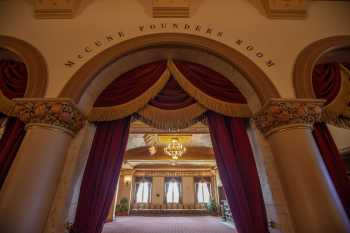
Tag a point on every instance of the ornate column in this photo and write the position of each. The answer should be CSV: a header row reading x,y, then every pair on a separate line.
x,y
311,198
30,187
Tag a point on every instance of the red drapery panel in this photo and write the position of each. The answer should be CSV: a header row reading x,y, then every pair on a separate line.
x,y
9,145
326,81
334,163
13,82
238,172
131,84
13,78
101,175
172,97
210,82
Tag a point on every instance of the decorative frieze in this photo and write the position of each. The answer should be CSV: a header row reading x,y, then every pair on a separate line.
x,y
282,112
56,112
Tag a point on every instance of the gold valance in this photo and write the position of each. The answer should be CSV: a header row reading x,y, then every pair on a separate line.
x,y
170,119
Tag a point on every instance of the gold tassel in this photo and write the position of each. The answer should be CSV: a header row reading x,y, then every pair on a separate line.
x,y
172,119
6,105
225,108
119,111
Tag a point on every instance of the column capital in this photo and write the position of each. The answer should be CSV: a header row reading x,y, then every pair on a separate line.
x,y
57,112
284,113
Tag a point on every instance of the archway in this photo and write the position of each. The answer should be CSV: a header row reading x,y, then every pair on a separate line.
x,y
90,80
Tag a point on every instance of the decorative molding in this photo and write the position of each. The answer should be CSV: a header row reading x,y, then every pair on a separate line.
x,y
36,69
60,112
171,8
285,9
277,113
56,9
303,68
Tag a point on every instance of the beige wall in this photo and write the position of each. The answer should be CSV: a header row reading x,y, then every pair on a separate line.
x,y
279,40
124,190
157,188
188,190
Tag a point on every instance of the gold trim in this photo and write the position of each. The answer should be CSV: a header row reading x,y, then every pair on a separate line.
x,y
126,109
225,108
172,119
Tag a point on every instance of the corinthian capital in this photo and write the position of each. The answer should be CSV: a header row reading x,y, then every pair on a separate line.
x,y
277,113
60,112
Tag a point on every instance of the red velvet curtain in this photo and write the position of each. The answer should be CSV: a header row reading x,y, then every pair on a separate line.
x,y
238,172
9,145
172,97
210,82
13,78
101,175
131,84
13,81
326,82
334,163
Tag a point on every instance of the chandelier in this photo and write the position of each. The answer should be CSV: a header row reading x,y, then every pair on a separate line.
x,y
175,149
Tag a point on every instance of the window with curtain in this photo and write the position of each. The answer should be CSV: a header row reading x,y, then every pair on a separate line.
x,y
173,190
202,187
143,190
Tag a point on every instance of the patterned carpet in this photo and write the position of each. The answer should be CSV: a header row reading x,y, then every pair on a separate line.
x,y
167,225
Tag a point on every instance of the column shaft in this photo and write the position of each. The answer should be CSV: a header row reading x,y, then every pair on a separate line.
x,y
26,197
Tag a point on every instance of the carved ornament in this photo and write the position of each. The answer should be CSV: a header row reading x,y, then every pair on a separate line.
x,y
282,112
55,112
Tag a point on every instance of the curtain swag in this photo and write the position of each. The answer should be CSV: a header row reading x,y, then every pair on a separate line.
x,y
340,104
234,105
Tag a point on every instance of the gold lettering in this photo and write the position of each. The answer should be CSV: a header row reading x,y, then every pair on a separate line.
x,y
163,25
69,63
98,43
187,26
121,34
269,63
152,26
250,48
239,42
209,31
175,25
198,28
259,54
141,28
219,34
109,38
80,56
87,49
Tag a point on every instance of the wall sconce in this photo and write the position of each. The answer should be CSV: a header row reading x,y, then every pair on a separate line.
x,y
127,180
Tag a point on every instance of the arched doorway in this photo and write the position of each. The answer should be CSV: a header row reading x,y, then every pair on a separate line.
x,y
95,75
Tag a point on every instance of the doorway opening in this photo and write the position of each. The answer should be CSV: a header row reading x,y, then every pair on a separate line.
x,y
169,181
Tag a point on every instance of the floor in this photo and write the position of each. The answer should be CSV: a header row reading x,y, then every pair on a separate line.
x,y
136,224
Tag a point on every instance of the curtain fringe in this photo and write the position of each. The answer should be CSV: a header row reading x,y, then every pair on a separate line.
x,y
225,108
126,109
168,125
170,119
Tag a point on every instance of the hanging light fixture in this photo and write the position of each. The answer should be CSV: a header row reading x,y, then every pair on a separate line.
x,y
175,149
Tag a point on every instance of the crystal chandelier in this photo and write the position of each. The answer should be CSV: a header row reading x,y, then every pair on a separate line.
x,y
175,149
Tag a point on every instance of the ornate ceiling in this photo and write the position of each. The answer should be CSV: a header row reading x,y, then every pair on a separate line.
x,y
275,9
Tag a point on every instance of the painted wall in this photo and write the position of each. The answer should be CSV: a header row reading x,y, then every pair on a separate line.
x,y
278,40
